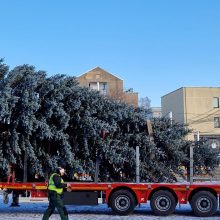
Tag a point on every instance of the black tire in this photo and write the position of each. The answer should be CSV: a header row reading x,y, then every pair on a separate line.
x,y
204,204
163,203
122,202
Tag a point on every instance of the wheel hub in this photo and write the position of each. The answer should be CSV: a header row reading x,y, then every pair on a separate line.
x,y
163,203
204,204
122,203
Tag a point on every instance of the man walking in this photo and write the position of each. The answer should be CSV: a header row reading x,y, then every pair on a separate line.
x,y
55,195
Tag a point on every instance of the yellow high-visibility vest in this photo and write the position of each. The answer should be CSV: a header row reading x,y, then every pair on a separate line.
x,y
52,184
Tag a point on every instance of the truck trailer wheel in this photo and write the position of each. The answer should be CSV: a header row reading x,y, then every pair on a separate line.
x,y
122,202
163,203
204,204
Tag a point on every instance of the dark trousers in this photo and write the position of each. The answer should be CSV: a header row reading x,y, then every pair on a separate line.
x,y
55,201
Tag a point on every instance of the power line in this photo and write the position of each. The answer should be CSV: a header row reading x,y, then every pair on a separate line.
x,y
204,117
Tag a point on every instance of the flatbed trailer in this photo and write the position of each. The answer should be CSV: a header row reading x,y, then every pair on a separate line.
x,y
124,197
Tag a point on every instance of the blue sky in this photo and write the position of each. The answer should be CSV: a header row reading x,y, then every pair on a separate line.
x,y
155,46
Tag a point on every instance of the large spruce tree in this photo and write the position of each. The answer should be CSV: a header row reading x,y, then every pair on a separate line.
x,y
48,120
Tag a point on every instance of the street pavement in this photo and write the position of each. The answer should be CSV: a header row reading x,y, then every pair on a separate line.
x,y
102,212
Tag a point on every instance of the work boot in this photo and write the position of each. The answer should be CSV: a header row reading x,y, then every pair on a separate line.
x,y
13,204
15,199
5,197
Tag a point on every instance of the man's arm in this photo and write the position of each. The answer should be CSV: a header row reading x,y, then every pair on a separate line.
x,y
57,182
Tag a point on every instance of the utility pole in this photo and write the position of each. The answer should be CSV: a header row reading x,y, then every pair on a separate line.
x,y
25,166
97,167
137,165
191,164
198,138
191,158
171,118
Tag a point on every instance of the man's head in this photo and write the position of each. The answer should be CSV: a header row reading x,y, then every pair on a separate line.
x,y
61,170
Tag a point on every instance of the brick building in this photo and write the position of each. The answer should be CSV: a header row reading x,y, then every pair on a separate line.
x,y
108,84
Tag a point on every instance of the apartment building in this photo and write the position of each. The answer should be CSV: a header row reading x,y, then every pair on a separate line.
x,y
108,84
199,108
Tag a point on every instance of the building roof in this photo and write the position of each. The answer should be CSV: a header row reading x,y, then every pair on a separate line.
x,y
191,87
100,69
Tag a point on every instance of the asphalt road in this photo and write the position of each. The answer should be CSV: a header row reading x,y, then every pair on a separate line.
x,y
102,212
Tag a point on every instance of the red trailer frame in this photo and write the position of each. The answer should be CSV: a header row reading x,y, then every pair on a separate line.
x,y
124,197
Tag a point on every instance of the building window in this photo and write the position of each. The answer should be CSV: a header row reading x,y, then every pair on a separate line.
x,y
103,88
216,122
93,85
215,102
